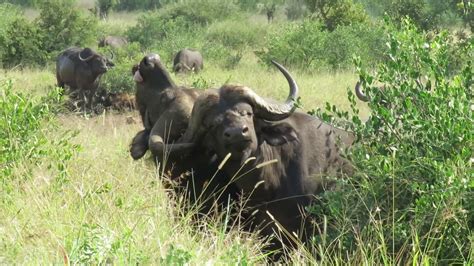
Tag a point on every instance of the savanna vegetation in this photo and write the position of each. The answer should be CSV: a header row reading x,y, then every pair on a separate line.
x,y
70,192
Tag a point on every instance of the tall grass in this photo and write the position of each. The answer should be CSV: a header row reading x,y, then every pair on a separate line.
x,y
109,209
114,209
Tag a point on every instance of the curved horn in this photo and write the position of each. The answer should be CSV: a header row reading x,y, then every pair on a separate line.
x,y
159,148
359,93
87,58
112,54
263,108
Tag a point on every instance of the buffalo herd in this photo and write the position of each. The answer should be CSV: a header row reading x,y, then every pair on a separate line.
x,y
228,144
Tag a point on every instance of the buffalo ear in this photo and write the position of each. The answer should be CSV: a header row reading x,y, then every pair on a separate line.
x,y
278,134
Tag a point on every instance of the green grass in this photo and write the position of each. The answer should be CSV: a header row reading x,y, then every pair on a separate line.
x,y
111,209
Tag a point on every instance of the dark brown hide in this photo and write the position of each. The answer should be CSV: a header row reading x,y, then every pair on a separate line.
x,y
165,110
164,107
113,41
306,151
80,69
188,60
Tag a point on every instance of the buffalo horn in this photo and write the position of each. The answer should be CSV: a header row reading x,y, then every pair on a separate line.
x,y
87,58
159,147
359,93
263,108
112,54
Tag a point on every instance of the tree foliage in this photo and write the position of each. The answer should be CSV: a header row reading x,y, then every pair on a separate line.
x,y
64,26
334,13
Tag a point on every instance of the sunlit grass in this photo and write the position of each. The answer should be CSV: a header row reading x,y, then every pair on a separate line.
x,y
119,205
111,209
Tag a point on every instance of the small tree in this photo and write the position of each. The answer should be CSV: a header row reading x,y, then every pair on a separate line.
x,y
336,12
105,6
64,26
22,42
295,9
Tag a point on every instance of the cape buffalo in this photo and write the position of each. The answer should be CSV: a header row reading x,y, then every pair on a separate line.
x,y
165,110
164,107
81,69
113,41
188,60
300,150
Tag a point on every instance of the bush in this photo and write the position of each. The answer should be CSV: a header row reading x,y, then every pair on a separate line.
x,y
152,28
236,34
308,45
24,125
58,27
64,26
200,12
8,14
22,44
414,184
295,9
119,78
20,2
166,36
141,4
335,13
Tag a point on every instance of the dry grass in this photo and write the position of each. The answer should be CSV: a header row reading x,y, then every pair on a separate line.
x,y
112,209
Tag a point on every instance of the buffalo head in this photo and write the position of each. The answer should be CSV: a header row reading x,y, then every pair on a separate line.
x,y
151,71
236,120
98,64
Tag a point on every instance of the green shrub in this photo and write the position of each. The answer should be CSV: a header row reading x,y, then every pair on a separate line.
x,y
58,27
141,4
8,14
24,125
166,36
364,40
201,12
22,44
414,182
64,26
307,45
335,13
295,9
20,2
119,78
236,34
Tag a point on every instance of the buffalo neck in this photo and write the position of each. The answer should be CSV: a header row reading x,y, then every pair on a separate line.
x,y
161,80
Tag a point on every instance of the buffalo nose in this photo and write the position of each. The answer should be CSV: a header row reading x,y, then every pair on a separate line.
x,y
236,132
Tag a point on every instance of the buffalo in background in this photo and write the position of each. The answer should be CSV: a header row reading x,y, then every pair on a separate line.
x,y
187,60
80,69
113,41
280,159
